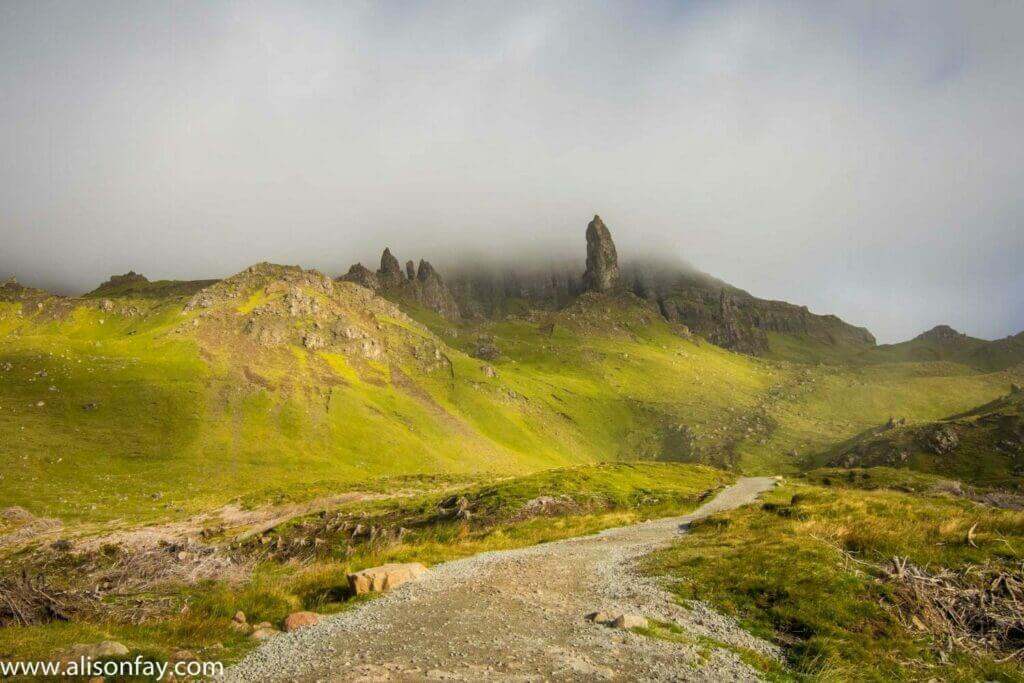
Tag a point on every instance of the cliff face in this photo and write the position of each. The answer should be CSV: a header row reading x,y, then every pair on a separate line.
x,y
723,314
734,319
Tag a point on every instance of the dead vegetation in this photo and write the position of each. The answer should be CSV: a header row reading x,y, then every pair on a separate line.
x,y
979,607
30,600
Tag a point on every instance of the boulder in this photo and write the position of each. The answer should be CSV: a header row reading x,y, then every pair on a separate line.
x,y
602,274
384,578
600,617
485,348
102,650
183,656
942,440
263,634
628,621
241,627
297,620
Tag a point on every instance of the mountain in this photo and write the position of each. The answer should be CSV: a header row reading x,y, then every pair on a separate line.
x,y
943,343
726,315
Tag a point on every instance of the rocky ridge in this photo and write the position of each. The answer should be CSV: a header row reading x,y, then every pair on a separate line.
x,y
423,286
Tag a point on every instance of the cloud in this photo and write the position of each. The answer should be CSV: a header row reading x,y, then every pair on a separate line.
x,y
861,158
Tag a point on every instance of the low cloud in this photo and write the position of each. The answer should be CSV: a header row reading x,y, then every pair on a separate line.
x,y
861,158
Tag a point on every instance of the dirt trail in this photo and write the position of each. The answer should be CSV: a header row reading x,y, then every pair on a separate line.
x,y
519,616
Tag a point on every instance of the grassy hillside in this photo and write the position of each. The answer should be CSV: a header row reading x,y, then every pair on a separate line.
x,y
941,344
282,381
984,445
279,379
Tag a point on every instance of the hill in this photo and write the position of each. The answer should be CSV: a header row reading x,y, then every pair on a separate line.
x,y
943,343
983,446
133,284
282,381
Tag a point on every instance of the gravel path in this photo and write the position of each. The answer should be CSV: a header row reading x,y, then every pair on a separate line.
x,y
519,616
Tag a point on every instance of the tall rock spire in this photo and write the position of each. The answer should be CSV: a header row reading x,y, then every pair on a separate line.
x,y
602,274
390,273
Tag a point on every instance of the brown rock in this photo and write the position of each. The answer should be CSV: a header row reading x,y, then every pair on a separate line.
x,y
241,627
361,275
384,578
297,620
600,617
628,621
602,274
390,273
263,633
101,650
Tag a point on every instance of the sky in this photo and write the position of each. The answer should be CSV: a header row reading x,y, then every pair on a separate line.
x,y
864,159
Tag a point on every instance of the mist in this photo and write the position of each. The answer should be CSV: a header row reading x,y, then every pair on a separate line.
x,y
864,159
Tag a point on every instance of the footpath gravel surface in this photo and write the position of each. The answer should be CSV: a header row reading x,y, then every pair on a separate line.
x,y
519,616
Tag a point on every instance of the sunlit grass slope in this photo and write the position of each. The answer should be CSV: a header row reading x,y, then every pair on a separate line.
x,y
279,379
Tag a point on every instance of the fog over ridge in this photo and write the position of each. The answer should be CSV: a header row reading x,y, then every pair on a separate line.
x,y
863,159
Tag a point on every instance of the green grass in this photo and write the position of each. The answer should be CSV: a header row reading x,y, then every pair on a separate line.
x,y
192,413
989,450
781,570
607,495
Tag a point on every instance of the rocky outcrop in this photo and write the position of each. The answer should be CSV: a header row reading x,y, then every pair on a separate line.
x,y
602,273
361,275
430,292
942,439
423,287
390,274
728,330
129,278
725,315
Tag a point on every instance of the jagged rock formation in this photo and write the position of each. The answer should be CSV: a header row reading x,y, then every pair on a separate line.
x,y
424,286
390,273
602,273
361,275
430,292
725,315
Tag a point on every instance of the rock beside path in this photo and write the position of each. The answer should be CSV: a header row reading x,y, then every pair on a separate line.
x,y
297,620
384,578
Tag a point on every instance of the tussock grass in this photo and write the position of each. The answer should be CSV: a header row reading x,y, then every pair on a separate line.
x,y
789,571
